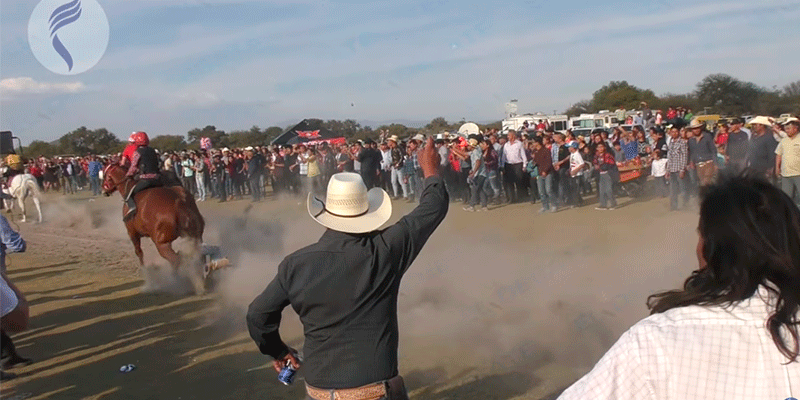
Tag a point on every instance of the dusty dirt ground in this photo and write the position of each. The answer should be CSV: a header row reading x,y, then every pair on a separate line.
x,y
507,304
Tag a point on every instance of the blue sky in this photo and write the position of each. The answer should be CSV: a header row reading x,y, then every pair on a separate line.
x,y
174,65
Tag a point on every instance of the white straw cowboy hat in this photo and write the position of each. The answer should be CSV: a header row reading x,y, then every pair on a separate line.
x,y
790,120
696,123
393,138
766,121
349,207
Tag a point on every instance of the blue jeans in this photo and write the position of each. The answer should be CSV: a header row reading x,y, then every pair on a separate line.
x,y
478,187
222,185
398,179
493,179
94,182
255,187
677,185
414,185
791,186
200,182
546,191
606,192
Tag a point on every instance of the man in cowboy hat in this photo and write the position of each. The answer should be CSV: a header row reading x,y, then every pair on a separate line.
x,y
702,155
787,159
761,152
345,288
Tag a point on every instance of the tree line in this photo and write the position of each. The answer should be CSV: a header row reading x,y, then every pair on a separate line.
x,y
715,94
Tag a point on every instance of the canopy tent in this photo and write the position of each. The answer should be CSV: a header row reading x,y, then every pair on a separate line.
x,y
305,133
469,128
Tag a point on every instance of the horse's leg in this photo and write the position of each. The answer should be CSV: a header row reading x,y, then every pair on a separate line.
x,y
195,267
38,207
137,247
21,200
166,251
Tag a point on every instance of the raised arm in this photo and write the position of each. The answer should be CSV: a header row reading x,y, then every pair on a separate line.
x,y
406,238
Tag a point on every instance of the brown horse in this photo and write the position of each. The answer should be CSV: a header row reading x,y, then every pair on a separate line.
x,y
163,214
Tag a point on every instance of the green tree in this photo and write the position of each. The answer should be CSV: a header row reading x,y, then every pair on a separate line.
x,y
725,94
437,124
272,132
82,141
791,97
40,147
581,107
254,137
620,94
168,142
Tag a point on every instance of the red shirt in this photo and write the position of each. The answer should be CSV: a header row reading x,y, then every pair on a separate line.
x,y
36,171
722,138
127,155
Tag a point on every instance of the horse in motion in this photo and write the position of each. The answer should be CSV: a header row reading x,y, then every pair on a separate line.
x,y
163,214
22,187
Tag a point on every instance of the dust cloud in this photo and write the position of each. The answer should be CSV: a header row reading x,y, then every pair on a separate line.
x,y
493,292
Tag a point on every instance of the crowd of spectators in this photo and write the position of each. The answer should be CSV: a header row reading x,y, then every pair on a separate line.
x,y
535,164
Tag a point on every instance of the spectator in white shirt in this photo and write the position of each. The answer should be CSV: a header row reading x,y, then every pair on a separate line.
x,y
658,169
576,166
515,159
731,332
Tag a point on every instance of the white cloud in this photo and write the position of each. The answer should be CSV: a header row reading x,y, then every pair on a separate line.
x,y
26,85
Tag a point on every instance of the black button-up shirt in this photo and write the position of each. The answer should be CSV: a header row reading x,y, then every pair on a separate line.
x,y
345,289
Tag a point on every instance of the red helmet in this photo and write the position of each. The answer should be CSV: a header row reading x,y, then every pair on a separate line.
x,y
140,139
132,138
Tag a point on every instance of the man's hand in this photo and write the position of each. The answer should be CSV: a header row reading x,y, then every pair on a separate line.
x,y
682,174
279,364
429,159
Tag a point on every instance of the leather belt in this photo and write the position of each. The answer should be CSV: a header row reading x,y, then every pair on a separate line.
x,y
372,391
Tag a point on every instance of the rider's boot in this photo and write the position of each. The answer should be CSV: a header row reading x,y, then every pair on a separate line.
x,y
131,208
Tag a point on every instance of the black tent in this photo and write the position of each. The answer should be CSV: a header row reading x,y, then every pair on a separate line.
x,y
303,133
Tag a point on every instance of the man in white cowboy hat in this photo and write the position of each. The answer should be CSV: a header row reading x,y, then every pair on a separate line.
x,y
761,152
345,288
702,155
787,159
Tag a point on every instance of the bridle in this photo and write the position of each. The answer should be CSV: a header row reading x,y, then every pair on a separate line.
x,y
126,181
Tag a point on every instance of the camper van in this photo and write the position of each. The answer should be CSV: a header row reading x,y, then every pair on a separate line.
x,y
603,119
560,123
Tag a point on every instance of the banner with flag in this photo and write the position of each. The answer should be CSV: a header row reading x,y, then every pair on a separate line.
x,y
205,143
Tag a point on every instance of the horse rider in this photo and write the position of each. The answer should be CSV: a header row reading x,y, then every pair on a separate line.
x,y
127,154
15,166
144,168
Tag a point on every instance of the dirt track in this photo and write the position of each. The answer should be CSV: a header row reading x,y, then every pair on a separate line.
x,y
515,312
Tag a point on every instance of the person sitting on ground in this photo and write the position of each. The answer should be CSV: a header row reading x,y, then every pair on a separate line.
x,y
144,169
732,331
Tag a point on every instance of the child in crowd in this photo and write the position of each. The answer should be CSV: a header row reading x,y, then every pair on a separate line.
x,y
658,169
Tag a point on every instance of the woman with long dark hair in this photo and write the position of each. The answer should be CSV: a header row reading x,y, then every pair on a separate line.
x,y
732,331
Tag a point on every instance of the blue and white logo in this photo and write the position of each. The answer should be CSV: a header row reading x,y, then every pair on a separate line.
x,y
68,36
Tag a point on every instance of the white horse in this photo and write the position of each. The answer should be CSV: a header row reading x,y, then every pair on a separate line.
x,y
22,187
